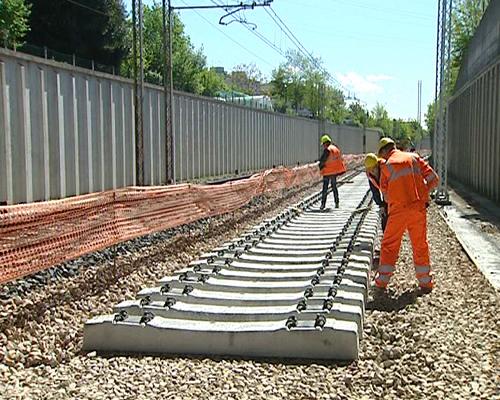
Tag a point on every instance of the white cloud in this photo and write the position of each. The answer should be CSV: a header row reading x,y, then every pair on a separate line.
x,y
363,84
379,77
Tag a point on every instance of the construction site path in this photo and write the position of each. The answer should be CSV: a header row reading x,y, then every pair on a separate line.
x,y
444,345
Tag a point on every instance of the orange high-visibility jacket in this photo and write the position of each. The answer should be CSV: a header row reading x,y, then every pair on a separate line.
x,y
372,179
334,164
406,178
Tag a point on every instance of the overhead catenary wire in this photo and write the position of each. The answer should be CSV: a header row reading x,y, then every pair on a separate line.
x,y
288,32
265,40
293,39
259,35
255,32
230,38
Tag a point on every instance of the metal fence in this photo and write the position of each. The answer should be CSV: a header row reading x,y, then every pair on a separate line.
x,y
474,134
65,130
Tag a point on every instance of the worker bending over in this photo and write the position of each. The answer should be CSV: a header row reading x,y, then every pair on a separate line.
x,y
372,167
405,181
331,165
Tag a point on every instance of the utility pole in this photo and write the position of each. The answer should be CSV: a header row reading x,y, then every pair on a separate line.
x,y
440,143
321,103
171,88
168,91
137,36
419,110
419,101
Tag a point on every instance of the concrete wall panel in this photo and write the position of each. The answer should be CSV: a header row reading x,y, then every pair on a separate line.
x,y
474,134
67,131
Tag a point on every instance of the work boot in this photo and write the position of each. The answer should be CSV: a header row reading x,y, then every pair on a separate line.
x,y
425,289
337,204
322,207
376,293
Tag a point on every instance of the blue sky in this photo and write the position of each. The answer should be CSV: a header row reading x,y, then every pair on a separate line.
x,y
377,48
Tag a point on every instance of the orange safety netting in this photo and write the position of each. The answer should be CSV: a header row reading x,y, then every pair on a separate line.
x,y
38,235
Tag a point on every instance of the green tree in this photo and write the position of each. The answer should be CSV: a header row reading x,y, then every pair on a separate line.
x,y
335,107
466,18
430,118
246,78
281,78
190,73
211,83
379,118
287,89
14,15
299,83
358,114
417,132
406,132
91,29
379,113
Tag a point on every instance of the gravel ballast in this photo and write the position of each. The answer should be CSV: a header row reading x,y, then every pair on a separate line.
x,y
443,345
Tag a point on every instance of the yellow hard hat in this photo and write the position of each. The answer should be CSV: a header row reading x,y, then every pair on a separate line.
x,y
384,142
325,138
371,161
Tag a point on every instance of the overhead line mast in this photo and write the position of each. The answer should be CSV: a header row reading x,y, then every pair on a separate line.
x,y
443,69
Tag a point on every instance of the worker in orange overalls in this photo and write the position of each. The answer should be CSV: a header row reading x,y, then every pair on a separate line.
x,y
372,168
331,165
405,181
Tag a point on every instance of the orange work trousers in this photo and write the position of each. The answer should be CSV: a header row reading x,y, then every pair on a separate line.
x,y
412,218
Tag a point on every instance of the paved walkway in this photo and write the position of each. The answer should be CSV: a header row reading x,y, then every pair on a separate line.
x,y
476,222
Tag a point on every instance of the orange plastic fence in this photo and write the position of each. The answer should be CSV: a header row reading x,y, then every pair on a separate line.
x,y
38,235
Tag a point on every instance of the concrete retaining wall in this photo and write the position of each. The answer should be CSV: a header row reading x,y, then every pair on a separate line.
x,y
483,48
67,130
474,134
474,111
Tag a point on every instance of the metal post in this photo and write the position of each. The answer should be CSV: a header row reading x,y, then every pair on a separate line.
x,y
447,87
441,94
141,88
166,90
436,93
419,113
440,150
171,91
322,124
419,101
139,144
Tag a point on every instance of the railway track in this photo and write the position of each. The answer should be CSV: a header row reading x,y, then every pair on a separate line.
x,y
294,286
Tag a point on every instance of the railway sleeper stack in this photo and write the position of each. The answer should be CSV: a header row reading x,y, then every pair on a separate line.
x,y
294,286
